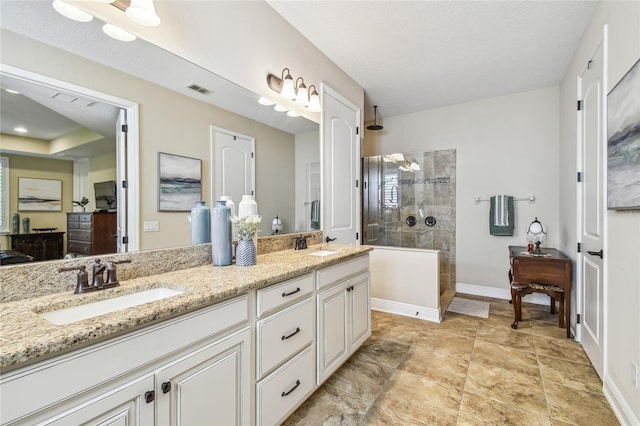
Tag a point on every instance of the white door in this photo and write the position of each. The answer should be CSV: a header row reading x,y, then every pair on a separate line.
x,y
121,161
340,168
591,208
233,165
312,189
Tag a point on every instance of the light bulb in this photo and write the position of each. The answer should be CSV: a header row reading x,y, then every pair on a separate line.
x,y
314,101
265,101
279,108
293,113
288,89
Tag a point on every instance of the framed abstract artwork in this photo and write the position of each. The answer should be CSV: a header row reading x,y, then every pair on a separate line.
x,y
39,195
623,142
180,182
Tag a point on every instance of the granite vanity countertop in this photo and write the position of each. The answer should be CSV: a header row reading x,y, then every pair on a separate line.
x,y
26,336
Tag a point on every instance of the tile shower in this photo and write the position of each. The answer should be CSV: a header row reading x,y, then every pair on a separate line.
x,y
403,194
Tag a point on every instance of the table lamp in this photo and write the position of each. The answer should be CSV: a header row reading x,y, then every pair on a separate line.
x,y
537,234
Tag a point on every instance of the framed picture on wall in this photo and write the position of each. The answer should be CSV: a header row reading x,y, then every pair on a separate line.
x,y
623,142
180,182
39,195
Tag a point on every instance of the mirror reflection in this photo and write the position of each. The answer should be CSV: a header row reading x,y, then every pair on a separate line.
x,y
170,119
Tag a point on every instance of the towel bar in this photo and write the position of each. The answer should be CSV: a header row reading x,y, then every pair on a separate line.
x,y
531,199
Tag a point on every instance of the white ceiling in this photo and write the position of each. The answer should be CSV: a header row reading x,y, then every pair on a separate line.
x,y
412,56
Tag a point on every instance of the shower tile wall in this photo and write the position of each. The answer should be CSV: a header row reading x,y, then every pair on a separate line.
x,y
392,195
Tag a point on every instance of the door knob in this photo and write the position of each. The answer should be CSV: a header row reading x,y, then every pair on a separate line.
x,y
596,253
328,240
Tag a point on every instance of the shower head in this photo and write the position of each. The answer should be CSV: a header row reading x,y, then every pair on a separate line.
x,y
375,125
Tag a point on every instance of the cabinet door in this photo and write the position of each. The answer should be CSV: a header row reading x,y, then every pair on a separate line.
x,y
123,406
209,386
360,304
333,343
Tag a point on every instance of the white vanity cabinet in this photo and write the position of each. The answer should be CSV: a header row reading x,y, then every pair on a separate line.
x,y
204,356
285,335
344,313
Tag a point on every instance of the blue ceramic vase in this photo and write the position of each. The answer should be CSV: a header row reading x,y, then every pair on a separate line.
x,y
200,224
221,248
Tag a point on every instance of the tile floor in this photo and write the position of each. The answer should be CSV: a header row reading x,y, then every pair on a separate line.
x,y
463,371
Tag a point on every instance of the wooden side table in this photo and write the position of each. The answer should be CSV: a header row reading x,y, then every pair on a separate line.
x,y
552,268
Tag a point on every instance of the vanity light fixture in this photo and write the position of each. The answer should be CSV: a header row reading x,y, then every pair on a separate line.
x,y
143,12
314,100
280,108
283,85
292,113
117,33
302,95
71,12
265,101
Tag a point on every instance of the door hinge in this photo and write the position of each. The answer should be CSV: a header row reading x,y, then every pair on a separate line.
x,y
125,184
579,105
589,65
252,192
125,239
252,155
357,236
578,319
364,185
357,183
579,176
125,128
357,130
579,248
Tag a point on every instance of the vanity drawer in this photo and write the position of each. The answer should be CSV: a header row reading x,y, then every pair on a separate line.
x,y
283,334
79,235
78,247
278,295
342,271
279,393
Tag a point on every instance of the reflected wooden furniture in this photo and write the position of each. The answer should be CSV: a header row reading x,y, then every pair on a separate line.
x,y
549,273
42,246
92,233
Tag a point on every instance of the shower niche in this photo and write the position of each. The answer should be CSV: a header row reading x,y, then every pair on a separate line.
x,y
409,200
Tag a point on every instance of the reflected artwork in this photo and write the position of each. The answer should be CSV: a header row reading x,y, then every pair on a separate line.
x,y
180,185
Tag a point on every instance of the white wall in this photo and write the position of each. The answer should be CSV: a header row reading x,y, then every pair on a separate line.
x,y
505,145
622,250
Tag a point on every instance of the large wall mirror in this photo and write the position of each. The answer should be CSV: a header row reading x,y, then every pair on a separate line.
x,y
172,118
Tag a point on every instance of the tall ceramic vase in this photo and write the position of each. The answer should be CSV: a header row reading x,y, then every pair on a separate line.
x,y
200,224
245,253
221,251
247,206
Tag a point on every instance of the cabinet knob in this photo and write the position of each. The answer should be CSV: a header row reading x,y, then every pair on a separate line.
x,y
166,387
149,396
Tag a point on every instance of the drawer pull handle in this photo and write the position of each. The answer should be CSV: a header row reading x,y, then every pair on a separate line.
x,y
292,389
293,292
292,334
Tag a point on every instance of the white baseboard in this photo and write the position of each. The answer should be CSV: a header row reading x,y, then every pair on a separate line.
x,y
500,293
405,309
620,407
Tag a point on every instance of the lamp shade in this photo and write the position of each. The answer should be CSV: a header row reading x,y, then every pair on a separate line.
x,y
536,232
288,88
302,95
143,12
71,12
117,33
314,100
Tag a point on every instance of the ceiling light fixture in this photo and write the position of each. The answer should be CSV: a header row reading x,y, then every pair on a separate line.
x,y
143,12
375,125
302,95
71,12
117,33
314,100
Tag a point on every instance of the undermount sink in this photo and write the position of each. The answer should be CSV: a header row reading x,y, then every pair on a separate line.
x,y
323,253
93,309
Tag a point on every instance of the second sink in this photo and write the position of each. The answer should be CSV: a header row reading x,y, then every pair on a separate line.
x,y
93,309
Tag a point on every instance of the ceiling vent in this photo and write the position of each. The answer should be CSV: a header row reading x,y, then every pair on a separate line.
x,y
198,89
72,99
